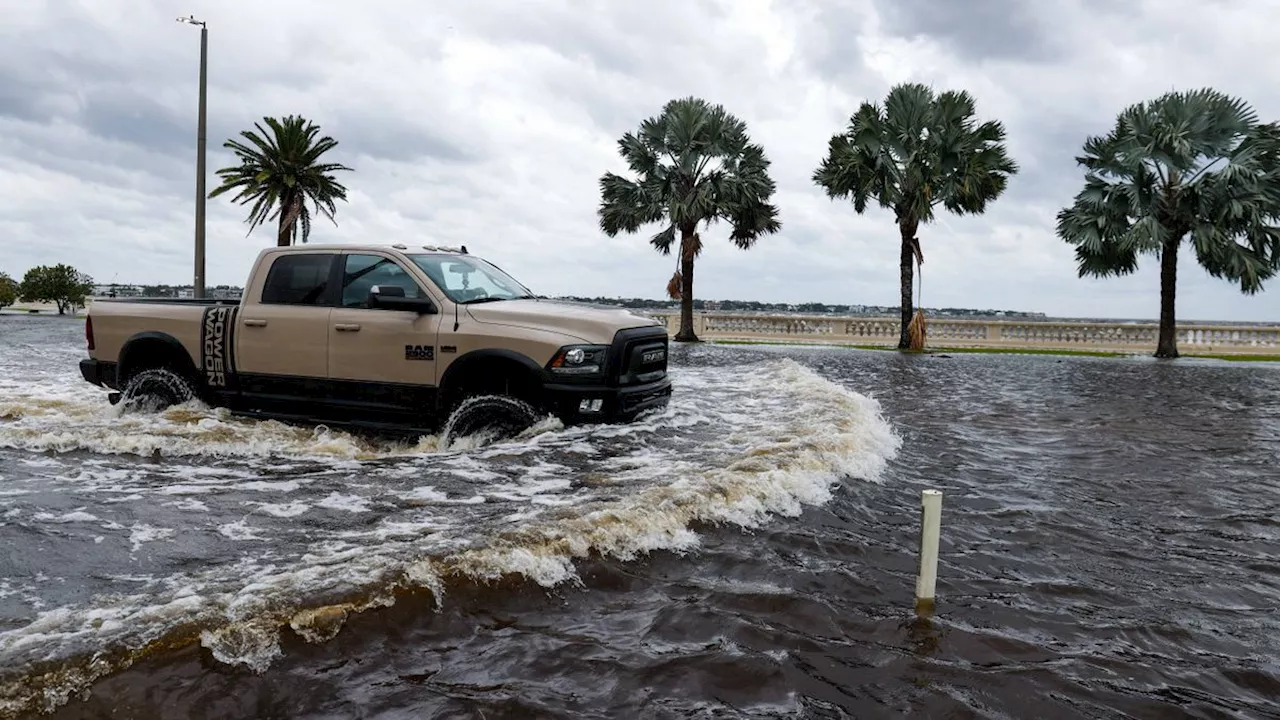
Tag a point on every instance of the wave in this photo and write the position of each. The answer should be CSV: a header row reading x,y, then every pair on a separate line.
x,y
738,446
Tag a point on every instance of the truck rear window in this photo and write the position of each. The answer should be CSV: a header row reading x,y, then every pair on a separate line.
x,y
298,280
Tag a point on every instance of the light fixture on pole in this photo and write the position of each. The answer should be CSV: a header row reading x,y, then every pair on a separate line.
x,y
198,284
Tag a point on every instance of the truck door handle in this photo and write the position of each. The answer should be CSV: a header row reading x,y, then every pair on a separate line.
x,y
254,323
346,327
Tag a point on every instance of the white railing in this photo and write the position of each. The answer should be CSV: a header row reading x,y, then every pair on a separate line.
x,y
1049,335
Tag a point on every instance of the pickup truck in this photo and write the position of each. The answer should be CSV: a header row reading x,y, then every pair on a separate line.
x,y
377,337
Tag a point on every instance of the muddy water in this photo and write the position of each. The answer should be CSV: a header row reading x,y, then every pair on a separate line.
x,y
1111,547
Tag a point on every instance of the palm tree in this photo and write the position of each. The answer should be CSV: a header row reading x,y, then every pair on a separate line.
x,y
919,151
1195,164
694,164
280,171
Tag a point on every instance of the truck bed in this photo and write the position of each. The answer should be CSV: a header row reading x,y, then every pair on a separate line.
x,y
117,320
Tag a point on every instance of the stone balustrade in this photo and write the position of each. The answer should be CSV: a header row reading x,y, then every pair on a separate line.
x,y
948,332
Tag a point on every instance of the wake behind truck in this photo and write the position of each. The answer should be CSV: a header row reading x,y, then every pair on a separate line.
x,y
387,338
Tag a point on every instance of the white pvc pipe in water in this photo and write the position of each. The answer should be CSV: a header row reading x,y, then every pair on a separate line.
x,y
930,528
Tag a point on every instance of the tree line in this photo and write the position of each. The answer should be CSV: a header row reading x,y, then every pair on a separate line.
x,y
59,284
811,308
1192,166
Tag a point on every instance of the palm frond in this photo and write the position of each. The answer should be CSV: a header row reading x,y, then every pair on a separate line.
x,y
693,164
664,240
673,286
920,151
280,165
1106,259
626,205
1192,163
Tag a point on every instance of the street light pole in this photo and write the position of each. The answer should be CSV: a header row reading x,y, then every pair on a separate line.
x,y
198,284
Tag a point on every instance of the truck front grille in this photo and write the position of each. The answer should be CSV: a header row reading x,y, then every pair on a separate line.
x,y
639,356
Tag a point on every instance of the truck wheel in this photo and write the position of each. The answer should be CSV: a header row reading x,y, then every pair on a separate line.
x,y
156,389
496,417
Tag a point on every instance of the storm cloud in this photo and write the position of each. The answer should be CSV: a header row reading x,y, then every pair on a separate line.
x,y
489,124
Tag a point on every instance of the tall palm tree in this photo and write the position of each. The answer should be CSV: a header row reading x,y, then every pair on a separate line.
x,y
1191,164
280,171
919,151
695,165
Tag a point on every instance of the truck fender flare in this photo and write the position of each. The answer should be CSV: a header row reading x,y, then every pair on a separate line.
x,y
459,368
136,349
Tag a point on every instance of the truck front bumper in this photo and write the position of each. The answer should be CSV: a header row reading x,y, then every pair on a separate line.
x,y
577,404
97,372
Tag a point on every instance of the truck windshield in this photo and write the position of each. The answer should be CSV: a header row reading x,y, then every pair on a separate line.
x,y
467,279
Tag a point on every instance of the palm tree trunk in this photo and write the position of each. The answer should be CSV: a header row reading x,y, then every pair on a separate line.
x,y
906,274
686,333
289,212
1167,345
283,235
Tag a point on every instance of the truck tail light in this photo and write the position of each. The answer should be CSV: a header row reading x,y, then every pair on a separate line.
x,y
88,331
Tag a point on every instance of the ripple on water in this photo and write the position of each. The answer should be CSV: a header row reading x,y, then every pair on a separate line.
x,y
1108,550
239,556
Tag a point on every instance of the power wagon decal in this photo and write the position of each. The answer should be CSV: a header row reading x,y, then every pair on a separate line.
x,y
217,331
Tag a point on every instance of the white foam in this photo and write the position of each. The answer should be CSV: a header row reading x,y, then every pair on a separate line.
x,y
283,510
78,515
270,486
347,503
249,644
142,533
240,530
430,495
737,446
131,497
426,493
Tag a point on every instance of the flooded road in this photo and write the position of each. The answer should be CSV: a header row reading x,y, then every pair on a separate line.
x,y
1110,547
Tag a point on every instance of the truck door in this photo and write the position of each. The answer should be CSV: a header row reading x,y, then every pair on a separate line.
x,y
282,343
381,360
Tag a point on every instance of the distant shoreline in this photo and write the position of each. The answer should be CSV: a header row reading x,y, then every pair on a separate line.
x,y
943,347
43,309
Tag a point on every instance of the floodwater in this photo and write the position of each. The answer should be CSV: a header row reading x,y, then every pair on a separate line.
x,y
1110,548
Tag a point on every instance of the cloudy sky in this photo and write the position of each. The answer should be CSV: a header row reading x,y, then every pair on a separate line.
x,y
489,123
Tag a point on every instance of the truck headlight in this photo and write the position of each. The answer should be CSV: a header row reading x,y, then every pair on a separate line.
x,y
578,360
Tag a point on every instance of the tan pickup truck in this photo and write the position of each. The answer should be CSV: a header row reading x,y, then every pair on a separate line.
x,y
385,338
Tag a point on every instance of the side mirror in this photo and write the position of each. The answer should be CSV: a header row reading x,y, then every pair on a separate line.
x,y
391,297
378,292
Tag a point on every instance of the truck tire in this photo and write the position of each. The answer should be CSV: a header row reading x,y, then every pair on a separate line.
x,y
495,417
155,389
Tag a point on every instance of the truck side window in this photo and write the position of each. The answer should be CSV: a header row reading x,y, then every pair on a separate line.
x,y
298,280
362,272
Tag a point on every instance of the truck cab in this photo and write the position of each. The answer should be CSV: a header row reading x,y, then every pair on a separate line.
x,y
391,336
